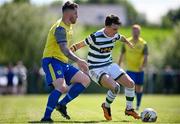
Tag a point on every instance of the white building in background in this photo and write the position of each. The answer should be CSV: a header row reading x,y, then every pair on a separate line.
x,y
96,14
93,14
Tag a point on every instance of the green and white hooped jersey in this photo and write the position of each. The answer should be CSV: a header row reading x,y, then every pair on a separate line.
x,y
100,48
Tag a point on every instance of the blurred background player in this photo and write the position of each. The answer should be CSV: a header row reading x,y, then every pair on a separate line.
x,y
168,79
59,73
11,89
21,72
135,60
102,69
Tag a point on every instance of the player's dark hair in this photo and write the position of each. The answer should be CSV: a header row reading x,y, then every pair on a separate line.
x,y
69,5
112,19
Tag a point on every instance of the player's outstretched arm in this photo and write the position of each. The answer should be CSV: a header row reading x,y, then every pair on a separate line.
x,y
77,46
127,42
82,64
120,59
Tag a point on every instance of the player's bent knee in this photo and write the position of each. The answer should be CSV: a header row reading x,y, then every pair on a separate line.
x,y
131,84
117,88
62,89
60,85
86,81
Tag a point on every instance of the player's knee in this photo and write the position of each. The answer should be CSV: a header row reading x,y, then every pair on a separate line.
x,y
62,89
138,88
117,88
131,84
86,81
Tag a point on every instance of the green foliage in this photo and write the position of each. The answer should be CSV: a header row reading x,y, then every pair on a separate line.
x,y
172,49
97,1
21,1
132,15
171,18
56,3
23,32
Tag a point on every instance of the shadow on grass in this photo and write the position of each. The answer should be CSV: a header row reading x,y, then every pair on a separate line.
x,y
99,121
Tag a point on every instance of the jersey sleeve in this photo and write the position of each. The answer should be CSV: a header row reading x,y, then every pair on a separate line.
x,y
118,37
60,34
145,50
90,39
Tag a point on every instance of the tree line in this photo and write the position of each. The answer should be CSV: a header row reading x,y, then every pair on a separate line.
x,y
24,28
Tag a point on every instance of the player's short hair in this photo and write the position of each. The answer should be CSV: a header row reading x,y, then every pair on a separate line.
x,y
136,26
69,6
112,19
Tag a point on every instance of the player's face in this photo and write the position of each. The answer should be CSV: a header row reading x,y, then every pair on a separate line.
x,y
135,32
73,16
113,29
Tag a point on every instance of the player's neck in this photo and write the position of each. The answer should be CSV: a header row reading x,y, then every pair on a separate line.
x,y
107,33
66,21
135,39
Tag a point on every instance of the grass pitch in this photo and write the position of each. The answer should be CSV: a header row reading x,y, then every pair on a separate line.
x,y
86,109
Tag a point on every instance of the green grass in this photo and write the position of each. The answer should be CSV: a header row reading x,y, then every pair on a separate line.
x,y
86,109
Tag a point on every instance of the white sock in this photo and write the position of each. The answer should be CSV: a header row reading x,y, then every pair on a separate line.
x,y
109,98
129,92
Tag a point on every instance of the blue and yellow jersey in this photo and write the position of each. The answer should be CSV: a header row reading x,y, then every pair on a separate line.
x,y
59,32
134,56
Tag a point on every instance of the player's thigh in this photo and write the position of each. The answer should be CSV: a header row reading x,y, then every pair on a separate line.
x,y
73,75
139,78
126,81
53,69
107,81
60,85
115,71
139,81
81,77
102,77
120,76
133,76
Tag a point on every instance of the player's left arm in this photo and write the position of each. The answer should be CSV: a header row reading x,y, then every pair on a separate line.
x,y
87,41
77,46
123,50
60,35
145,59
124,39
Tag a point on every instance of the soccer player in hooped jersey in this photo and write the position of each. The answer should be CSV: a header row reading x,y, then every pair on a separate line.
x,y
135,61
62,76
102,70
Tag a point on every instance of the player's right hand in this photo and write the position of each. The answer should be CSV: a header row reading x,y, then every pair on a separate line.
x,y
131,45
82,64
72,49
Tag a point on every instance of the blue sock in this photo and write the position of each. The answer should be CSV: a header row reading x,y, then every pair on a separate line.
x,y
75,90
138,96
52,102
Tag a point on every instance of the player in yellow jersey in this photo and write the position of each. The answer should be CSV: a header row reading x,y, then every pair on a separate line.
x,y
63,77
135,61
